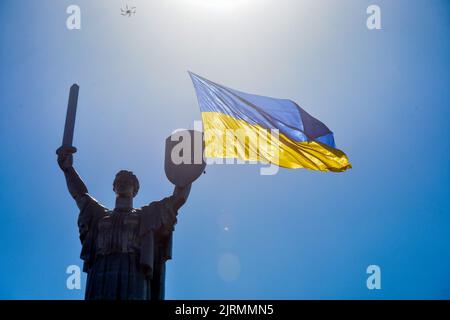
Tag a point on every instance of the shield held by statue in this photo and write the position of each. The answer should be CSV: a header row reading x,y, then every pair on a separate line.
x,y
184,161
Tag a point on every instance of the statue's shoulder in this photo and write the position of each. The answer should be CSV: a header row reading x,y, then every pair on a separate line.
x,y
95,203
136,212
90,207
147,208
157,205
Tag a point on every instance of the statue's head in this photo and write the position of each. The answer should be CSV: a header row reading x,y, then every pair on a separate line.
x,y
126,184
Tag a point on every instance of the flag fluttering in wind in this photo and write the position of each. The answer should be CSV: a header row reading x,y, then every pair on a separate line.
x,y
269,130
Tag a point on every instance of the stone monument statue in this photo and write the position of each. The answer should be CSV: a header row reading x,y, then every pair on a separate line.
x,y
125,249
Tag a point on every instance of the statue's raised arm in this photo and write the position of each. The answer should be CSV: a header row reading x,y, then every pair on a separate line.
x,y
90,210
180,195
75,184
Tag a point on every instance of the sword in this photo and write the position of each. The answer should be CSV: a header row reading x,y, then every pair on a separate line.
x,y
70,120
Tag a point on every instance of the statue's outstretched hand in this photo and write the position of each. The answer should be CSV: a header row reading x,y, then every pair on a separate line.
x,y
65,157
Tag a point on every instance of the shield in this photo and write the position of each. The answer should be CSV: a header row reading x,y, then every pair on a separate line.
x,y
184,161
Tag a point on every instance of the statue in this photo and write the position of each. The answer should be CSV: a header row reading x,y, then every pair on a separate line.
x,y
124,250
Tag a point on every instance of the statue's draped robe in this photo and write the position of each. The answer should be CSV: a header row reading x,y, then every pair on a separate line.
x,y
124,252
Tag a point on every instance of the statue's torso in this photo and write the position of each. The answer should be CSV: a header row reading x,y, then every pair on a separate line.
x,y
126,251
118,232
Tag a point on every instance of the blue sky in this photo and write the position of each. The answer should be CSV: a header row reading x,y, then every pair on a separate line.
x,y
295,235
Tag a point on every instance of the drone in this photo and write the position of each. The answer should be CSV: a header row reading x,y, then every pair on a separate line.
x,y
128,11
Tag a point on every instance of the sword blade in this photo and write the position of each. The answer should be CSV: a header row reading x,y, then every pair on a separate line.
x,y
70,116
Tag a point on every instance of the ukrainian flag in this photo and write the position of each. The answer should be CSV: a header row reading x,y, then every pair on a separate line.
x,y
256,128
